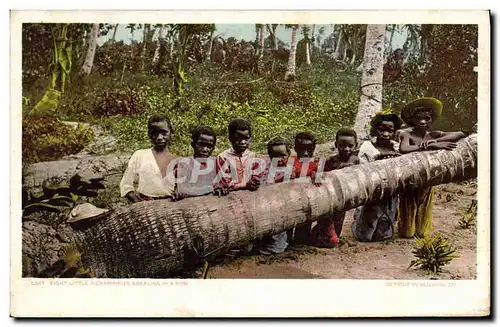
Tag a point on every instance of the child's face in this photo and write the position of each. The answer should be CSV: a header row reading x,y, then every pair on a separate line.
x,y
305,148
422,119
281,152
159,134
384,131
203,146
240,140
345,144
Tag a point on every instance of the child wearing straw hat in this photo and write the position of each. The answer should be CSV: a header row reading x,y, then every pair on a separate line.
x,y
415,206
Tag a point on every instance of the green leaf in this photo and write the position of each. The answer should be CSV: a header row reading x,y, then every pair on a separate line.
x,y
42,207
74,197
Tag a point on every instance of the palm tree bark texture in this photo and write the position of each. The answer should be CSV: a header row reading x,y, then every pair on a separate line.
x,y
371,81
154,239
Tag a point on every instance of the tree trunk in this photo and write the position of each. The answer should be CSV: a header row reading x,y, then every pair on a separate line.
x,y
113,38
262,40
425,35
333,39
89,58
336,54
308,57
311,45
353,59
290,73
161,36
275,38
389,48
154,238
210,46
371,80
145,34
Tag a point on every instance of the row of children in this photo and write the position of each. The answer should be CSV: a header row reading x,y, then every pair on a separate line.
x,y
239,168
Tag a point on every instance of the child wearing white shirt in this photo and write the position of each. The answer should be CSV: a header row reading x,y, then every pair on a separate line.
x,y
149,166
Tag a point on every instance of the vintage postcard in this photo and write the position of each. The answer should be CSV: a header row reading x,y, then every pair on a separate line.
x,y
221,163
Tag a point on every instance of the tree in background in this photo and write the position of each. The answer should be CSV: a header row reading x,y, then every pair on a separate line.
x,y
290,73
92,45
446,71
60,69
371,81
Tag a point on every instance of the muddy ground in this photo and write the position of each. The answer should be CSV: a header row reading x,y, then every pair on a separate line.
x,y
359,260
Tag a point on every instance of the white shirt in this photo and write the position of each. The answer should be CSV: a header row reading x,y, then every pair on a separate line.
x,y
142,167
368,152
195,176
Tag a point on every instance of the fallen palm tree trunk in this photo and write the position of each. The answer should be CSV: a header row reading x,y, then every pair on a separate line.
x,y
158,238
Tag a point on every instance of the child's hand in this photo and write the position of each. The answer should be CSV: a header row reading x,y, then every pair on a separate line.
x,y
442,146
177,196
315,182
132,197
425,144
254,184
221,191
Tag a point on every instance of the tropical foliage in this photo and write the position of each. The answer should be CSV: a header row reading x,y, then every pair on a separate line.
x,y
196,76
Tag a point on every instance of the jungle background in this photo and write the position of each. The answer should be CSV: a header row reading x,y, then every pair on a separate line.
x,y
83,102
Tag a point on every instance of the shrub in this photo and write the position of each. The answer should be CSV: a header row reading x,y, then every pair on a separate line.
x,y
296,92
46,138
468,217
432,253
125,102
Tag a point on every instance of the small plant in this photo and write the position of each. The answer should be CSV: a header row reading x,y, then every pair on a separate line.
x,y
196,256
432,253
69,266
57,197
469,216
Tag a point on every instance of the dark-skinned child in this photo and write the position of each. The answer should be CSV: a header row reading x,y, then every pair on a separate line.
x,y
238,168
195,175
304,166
149,166
327,231
375,221
415,206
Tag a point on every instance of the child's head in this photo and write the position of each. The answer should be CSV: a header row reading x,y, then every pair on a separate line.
x,y
203,140
279,147
346,140
240,133
305,144
159,131
420,113
384,126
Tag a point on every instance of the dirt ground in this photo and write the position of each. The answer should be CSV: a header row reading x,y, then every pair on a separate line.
x,y
378,260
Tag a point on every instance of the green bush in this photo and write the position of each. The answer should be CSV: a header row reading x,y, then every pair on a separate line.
x,y
274,107
124,102
47,138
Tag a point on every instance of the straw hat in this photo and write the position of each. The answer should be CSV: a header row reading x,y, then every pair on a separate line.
x,y
435,106
85,211
385,115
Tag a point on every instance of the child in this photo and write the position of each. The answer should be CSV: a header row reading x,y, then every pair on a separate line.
x,y
278,150
375,221
238,168
305,144
195,175
415,206
327,231
149,166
